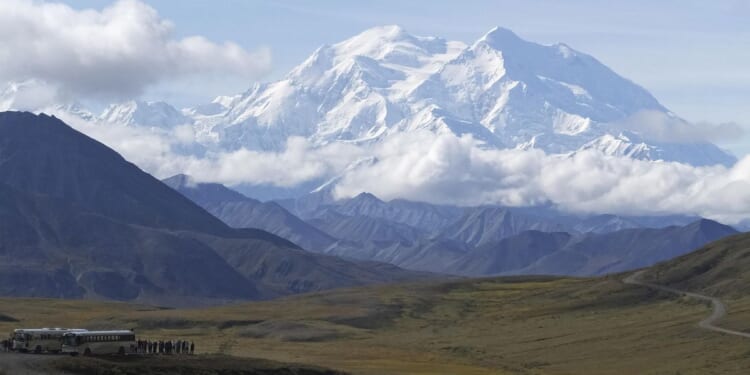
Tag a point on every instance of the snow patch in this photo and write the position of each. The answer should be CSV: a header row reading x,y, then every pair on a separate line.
x,y
570,124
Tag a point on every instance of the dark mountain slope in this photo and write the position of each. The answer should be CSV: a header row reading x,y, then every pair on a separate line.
x,y
597,254
512,253
487,240
536,252
365,228
720,268
423,216
239,211
51,248
79,221
482,225
489,224
299,271
41,154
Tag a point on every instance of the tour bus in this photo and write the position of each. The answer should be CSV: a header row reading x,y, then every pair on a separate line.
x,y
99,343
40,340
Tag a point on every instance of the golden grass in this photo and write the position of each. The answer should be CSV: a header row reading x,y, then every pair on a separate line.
x,y
493,326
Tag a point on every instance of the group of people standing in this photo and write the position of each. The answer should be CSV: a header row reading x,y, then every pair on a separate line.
x,y
165,347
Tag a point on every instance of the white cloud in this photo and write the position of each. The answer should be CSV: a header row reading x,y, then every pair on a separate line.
x,y
159,152
28,95
115,52
660,127
447,169
298,163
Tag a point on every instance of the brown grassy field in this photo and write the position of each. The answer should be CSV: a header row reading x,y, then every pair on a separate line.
x,y
490,326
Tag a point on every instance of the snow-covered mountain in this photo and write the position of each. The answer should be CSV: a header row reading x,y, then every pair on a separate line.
x,y
630,144
503,90
149,114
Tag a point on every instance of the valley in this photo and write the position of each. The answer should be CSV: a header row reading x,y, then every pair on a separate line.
x,y
518,325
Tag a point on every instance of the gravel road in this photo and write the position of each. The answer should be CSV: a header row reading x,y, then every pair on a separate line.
x,y
719,308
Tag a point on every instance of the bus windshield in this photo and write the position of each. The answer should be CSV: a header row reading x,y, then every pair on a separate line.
x,y
71,340
19,336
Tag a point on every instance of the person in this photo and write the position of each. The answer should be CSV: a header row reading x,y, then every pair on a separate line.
x,y
192,348
5,345
185,347
161,347
178,347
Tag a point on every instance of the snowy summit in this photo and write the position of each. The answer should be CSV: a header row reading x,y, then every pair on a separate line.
x,y
502,90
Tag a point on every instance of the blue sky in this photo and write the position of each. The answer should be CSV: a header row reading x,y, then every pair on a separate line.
x,y
692,55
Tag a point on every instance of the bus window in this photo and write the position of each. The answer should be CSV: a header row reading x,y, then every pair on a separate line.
x,y
70,340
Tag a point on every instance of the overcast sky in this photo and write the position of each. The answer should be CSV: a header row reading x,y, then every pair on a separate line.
x,y
692,55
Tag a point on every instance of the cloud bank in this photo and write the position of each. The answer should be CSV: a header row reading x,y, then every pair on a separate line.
x,y
447,169
116,52
660,127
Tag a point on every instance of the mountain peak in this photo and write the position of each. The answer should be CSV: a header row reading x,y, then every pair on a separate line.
x,y
143,113
710,226
367,197
389,44
386,32
374,39
499,37
84,172
205,191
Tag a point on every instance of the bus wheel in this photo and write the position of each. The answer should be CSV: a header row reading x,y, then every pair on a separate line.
x,y
121,351
87,352
38,349
74,354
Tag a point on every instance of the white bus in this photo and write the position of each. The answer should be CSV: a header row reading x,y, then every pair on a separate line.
x,y
40,340
99,343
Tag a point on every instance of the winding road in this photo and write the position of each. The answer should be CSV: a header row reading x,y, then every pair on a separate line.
x,y
719,309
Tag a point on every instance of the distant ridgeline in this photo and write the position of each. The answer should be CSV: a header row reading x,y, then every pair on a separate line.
x,y
474,241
